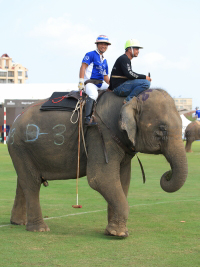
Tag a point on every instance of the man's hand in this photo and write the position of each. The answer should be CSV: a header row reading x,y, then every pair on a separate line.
x,y
148,78
81,84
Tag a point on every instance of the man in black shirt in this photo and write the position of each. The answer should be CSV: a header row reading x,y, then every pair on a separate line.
x,y
123,80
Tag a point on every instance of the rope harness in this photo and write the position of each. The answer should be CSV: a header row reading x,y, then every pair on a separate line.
x,y
77,107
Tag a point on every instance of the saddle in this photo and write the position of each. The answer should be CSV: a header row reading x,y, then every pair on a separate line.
x,y
65,101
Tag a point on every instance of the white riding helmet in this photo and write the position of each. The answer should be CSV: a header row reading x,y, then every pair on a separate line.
x,y
132,43
102,39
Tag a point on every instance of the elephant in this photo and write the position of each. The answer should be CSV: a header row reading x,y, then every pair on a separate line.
x,y
192,133
43,145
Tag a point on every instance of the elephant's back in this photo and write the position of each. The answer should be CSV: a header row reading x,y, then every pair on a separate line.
x,y
191,126
193,130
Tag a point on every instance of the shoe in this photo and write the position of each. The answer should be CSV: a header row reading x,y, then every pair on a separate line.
x,y
89,121
88,112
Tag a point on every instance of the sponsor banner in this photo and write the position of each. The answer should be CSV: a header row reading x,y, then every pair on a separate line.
x,y
13,103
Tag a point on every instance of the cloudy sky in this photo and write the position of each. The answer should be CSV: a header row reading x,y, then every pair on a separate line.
x,y
50,38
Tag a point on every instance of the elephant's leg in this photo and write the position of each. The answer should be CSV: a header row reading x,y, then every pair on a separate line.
x,y
29,182
125,176
188,146
105,178
35,221
18,214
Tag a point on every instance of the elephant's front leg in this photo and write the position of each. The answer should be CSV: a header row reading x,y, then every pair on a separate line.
x,y
105,178
125,176
188,145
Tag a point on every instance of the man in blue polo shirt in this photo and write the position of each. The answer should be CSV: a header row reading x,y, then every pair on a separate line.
x,y
94,73
197,114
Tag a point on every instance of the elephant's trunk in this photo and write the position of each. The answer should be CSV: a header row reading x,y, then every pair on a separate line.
x,y
174,179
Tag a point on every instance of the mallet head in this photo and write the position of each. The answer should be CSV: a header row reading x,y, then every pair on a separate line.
x,y
76,206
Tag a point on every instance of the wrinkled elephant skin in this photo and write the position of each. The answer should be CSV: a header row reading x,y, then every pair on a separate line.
x,y
44,145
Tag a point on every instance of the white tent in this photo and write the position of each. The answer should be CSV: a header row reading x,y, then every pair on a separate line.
x,y
33,90
185,123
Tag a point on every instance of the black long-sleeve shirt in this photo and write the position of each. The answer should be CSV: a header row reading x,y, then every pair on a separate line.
x,y
122,67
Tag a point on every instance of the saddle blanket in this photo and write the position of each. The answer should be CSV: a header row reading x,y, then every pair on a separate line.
x,y
64,101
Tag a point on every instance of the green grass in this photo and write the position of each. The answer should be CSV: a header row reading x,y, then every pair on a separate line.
x,y
157,235
191,118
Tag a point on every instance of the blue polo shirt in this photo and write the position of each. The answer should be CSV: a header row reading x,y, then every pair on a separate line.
x,y
97,66
198,113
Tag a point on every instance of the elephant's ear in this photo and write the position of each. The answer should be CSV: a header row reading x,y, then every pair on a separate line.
x,y
127,119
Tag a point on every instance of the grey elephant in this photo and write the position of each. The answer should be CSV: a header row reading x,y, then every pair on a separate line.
x,y
44,145
192,133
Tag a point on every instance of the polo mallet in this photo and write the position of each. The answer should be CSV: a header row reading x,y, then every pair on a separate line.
x,y
78,164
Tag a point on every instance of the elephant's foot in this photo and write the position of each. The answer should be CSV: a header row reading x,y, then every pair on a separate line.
x,y
43,227
18,219
189,151
18,222
115,230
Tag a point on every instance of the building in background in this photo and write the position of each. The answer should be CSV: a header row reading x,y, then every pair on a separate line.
x,y
183,103
11,72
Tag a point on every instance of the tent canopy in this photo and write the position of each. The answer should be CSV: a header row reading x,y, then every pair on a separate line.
x,y
185,123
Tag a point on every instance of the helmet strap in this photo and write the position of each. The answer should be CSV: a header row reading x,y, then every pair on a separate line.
x,y
132,52
99,50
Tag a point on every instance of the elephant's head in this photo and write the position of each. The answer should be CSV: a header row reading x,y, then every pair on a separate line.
x,y
154,126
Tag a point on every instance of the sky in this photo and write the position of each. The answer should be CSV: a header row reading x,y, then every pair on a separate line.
x,y
51,37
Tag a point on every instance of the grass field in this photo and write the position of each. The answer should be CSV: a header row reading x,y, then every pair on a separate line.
x,y
164,228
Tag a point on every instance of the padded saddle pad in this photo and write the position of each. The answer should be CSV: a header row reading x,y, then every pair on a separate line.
x,y
62,101
65,100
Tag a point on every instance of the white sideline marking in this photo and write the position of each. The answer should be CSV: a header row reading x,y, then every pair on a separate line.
x,y
86,212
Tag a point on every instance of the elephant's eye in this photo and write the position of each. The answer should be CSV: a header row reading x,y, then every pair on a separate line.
x,y
162,132
163,127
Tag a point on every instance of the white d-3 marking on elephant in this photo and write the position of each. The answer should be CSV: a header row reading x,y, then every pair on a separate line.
x,y
33,133
60,134
11,136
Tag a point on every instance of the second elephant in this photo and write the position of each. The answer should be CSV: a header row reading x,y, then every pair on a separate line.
x,y
192,133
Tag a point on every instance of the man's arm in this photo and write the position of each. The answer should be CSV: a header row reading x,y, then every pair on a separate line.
x,y
81,76
107,79
82,70
131,75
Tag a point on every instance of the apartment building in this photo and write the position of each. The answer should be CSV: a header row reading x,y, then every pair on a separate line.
x,y
183,103
11,72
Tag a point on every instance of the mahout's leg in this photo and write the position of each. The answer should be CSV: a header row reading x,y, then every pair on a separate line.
x,y
18,214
